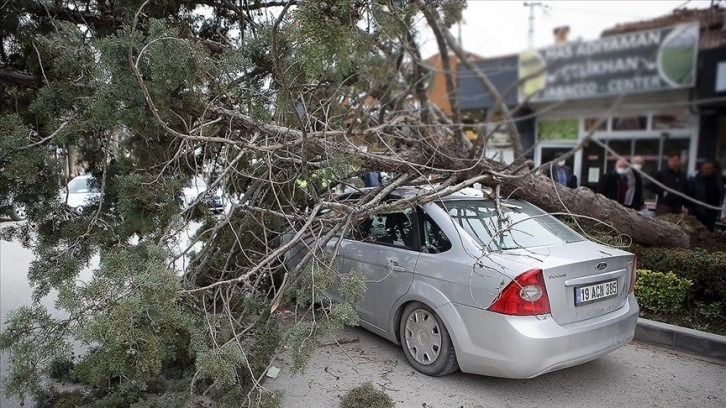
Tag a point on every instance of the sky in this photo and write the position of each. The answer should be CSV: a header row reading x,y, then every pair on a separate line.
x,y
493,28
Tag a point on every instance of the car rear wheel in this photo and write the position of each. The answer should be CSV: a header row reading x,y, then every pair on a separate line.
x,y
426,342
17,212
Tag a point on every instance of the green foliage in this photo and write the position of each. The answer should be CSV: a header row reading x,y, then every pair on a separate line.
x,y
231,362
353,286
367,396
660,292
131,307
141,323
59,264
329,28
453,11
339,168
48,397
261,398
318,278
147,203
33,339
61,369
713,310
142,329
301,341
29,175
704,268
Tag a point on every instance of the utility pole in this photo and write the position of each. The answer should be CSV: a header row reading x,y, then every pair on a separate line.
x,y
531,6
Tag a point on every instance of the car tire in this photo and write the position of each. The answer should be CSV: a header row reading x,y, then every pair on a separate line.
x,y
17,212
426,342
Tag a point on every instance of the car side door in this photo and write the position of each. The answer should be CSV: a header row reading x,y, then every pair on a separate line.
x,y
385,248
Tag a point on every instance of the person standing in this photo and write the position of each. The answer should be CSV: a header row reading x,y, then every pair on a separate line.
x,y
372,179
623,185
674,179
706,186
562,174
637,163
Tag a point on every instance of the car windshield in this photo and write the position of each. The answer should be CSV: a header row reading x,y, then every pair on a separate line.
x,y
520,225
197,182
82,185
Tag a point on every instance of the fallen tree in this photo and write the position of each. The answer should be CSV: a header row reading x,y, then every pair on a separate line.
x,y
289,104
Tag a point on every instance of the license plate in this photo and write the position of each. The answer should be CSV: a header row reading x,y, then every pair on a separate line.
x,y
598,291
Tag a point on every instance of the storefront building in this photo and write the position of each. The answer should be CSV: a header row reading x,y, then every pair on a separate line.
x,y
647,88
631,92
476,104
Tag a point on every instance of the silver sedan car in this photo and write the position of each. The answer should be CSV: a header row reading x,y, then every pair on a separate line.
x,y
501,290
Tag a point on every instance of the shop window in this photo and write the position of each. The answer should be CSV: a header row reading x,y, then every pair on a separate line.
x,y
557,129
596,125
668,121
630,122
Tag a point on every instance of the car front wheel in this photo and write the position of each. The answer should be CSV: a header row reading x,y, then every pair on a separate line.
x,y
426,342
17,212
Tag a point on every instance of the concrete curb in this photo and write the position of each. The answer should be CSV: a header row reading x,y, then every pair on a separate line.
x,y
681,339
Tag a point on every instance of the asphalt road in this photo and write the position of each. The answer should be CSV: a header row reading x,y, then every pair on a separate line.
x,y
15,291
636,375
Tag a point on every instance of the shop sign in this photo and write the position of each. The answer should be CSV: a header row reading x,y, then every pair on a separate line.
x,y
642,61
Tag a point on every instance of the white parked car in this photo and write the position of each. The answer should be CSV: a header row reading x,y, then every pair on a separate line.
x,y
198,187
81,192
15,211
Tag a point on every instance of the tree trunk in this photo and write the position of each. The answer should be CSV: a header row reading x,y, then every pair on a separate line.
x,y
552,197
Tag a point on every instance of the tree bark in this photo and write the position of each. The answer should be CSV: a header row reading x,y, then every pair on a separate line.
x,y
17,79
552,197
537,189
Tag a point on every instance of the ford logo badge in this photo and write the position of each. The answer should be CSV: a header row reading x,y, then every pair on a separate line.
x,y
601,266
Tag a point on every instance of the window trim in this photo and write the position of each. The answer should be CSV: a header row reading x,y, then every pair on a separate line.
x,y
422,214
415,221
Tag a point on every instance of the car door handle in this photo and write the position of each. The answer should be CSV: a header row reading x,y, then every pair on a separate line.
x,y
395,267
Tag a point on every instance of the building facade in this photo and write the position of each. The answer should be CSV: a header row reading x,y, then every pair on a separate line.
x,y
646,88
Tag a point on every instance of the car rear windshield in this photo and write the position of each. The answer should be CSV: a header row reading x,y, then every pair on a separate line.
x,y
518,225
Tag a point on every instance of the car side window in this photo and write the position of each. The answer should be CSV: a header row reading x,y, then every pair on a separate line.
x,y
434,239
394,229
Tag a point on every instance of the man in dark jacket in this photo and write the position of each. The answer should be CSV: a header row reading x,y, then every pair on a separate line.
x,y
623,185
675,179
707,187
372,179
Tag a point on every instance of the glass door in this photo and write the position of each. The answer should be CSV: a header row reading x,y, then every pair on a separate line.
x,y
593,162
550,153
650,150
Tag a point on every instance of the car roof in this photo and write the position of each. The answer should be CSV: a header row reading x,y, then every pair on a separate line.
x,y
465,193
412,191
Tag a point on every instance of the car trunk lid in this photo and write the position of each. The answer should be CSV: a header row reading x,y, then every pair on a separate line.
x,y
584,280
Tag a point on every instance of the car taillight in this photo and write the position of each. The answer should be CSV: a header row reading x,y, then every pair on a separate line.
x,y
631,288
526,295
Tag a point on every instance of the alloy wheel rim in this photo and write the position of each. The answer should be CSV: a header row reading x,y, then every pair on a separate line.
x,y
19,210
423,337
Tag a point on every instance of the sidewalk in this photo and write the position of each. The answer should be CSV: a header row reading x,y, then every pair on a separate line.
x,y
681,339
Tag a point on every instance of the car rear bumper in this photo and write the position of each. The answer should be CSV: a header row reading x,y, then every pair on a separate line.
x,y
497,345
